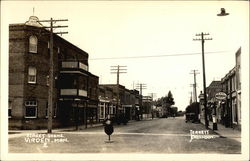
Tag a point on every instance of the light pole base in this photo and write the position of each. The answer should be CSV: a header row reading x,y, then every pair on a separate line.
x,y
109,141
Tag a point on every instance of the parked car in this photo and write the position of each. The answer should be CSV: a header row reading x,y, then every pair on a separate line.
x,y
190,117
121,119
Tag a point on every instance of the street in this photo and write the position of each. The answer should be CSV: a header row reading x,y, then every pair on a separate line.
x,y
165,135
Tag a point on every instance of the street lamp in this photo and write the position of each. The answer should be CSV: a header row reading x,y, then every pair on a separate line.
x,y
223,12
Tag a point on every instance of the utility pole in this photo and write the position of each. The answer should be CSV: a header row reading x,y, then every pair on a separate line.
x,y
141,86
194,72
118,69
152,95
51,71
204,74
152,99
191,101
192,95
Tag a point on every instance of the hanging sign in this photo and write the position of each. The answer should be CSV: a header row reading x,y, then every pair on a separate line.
x,y
221,96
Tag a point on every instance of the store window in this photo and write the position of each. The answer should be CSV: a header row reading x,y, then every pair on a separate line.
x,y
102,110
32,75
33,44
10,109
30,109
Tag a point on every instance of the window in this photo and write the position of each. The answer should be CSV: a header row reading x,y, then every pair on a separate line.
x,y
33,44
110,110
10,109
32,75
114,111
102,110
47,80
30,109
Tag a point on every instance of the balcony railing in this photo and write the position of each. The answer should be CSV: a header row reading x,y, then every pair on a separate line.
x,y
73,92
74,64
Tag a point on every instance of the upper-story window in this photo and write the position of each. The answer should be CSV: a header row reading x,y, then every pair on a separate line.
x,y
32,75
33,44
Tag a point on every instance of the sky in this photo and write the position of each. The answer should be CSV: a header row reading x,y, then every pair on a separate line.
x,y
154,39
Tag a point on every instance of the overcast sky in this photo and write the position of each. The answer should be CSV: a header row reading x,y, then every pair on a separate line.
x,y
118,29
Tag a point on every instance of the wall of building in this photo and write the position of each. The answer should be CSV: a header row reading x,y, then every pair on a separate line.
x,y
20,90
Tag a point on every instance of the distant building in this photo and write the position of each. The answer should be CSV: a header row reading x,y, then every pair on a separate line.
x,y
159,111
75,89
127,102
107,102
214,88
147,106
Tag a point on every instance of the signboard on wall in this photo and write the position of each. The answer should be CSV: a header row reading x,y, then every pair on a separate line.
x,y
221,96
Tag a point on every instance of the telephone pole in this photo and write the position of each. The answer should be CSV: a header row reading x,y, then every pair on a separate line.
x,y
118,69
202,39
51,71
191,101
194,72
152,95
141,86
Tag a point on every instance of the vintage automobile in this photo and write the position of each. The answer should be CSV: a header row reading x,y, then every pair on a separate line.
x,y
190,117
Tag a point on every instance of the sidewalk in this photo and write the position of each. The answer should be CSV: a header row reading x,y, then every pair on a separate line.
x,y
14,133
225,132
71,128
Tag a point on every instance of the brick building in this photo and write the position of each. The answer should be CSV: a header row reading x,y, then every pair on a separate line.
x,y
107,102
228,111
128,103
212,89
231,84
229,87
75,88
147,106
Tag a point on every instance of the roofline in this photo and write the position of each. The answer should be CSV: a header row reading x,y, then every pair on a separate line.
x,y
56,36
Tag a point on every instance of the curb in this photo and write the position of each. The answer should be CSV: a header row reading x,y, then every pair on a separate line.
x,y
221,136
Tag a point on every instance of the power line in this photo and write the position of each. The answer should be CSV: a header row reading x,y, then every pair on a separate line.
x,y
154,56
141,86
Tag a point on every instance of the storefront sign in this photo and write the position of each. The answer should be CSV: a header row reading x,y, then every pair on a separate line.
x,y
221,96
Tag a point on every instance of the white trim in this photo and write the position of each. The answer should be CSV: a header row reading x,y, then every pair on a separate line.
x,y
104,101
127,106
33,47
30,75
26,105
77,72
